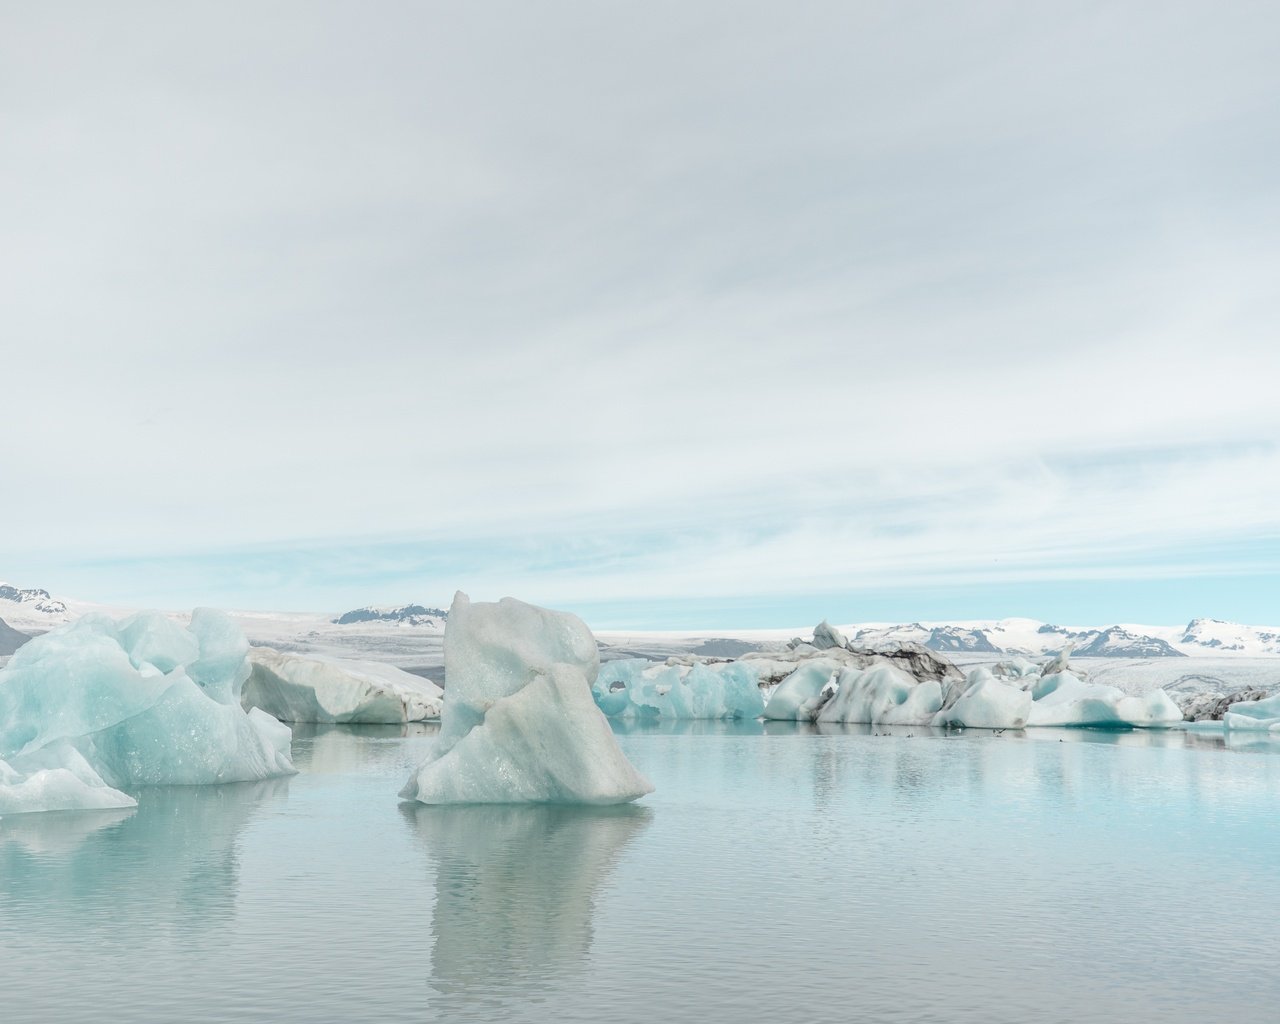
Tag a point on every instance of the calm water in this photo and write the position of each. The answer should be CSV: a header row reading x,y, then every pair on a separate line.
x,y
777,874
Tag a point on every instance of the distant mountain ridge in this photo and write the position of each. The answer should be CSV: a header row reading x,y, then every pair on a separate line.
x,y
405,615
1031,638
38,600
34,610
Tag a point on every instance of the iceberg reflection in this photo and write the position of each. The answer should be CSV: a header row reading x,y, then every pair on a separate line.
x,y
516,888
172,863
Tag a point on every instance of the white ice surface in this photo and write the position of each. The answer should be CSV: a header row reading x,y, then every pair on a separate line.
x,y
988,703
1254,715
520,724
312,688
1065,699
799,697
882,695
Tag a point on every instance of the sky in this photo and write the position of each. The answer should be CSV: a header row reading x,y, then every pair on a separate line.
x,y
673,314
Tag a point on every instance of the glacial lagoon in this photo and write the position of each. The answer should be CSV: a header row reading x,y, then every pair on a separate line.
x,y
778,873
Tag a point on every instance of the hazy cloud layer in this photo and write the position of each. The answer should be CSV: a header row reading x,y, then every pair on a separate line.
x,y
633,301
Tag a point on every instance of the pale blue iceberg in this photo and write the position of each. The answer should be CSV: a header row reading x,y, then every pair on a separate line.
x,y
99,705
55,778
801,695
1064,699
636,688
1254,716
519,722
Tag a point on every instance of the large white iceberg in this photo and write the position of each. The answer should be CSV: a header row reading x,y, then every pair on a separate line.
x,y
987,702
309,688
98,706
802,694
520,724
826,690
882,695
1063,698
637,688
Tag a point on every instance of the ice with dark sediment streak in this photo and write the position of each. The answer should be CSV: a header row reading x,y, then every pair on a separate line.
x,y
100,706
311,688
519,722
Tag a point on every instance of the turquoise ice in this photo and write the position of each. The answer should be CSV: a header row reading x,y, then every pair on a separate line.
x,y
101,706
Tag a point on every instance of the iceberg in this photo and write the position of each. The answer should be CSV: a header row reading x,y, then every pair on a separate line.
x,y
1254,715
802,694
520,724
1063,698
97,706
987,702
636,688
308,688
56,778
882,696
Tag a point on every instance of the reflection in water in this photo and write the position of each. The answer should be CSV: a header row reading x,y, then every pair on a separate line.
x,y
516,888
659,726
75,878
342,749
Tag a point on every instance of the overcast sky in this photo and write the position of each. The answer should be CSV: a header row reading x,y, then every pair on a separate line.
x,y
672,313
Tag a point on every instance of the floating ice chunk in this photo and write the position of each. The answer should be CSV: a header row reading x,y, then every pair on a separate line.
x,y
801,695
987,703
1060,662
520,724
1015,668
1254,715
636,688
1065,699
882,696
55,778
826,636
298,688
142,701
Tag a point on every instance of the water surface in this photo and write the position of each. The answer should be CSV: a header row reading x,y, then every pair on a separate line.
x,y
778,873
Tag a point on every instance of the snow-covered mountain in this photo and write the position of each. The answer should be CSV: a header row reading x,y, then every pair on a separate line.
x,y
30,608
33,610
36,600
1227,637
1032,638
405,615
1118,642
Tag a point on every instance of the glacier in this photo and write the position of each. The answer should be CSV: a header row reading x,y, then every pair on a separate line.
x,y
99,706
310,688
520,724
